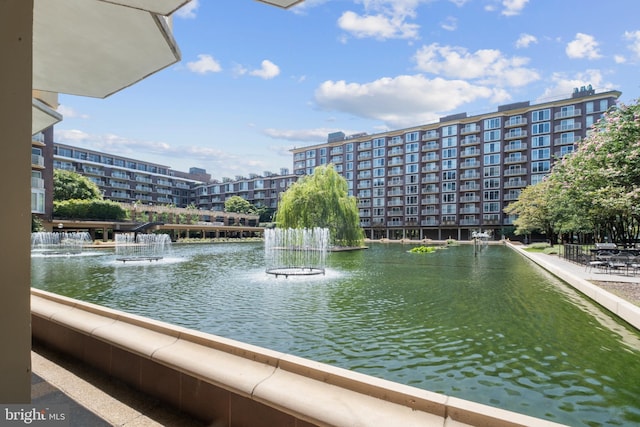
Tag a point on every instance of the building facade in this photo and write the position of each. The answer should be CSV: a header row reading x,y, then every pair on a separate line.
x,y
128,180
447,179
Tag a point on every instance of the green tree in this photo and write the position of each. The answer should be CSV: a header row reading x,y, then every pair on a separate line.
x,y
600,182
238,205
322,200
68,185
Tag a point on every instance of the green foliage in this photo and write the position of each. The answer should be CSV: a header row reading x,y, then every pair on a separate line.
x,y
594,190
322,200
238,205
423,250
36,223
68,185
88,209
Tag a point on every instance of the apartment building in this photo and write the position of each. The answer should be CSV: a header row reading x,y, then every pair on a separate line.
x,y
455,176
260,190
124,179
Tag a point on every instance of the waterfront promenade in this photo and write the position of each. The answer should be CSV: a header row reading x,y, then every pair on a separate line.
x,y
97,400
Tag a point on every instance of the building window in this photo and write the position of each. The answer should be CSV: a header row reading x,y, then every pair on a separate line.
x,y
492,147
492,135
450,141
378,152
491,171
540,167
412,136
449,130
589,107
491,195
541,141
491,207
449,153
449,164
492,159
378,142
540,115
540,154
539,128
493,123
492,183
412,148
449,176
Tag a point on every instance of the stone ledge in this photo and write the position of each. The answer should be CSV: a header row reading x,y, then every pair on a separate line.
x,y
177,362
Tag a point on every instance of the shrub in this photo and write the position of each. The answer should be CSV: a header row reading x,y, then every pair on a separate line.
x,y
89,209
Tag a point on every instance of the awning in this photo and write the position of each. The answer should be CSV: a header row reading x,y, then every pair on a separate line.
x,y
42,116
96,48
282,3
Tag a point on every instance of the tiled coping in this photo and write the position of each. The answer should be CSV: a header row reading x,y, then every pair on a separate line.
x,y
232,383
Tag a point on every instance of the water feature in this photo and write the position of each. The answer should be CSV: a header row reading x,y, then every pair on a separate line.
x,y
492,328
296,251
59,242
141,246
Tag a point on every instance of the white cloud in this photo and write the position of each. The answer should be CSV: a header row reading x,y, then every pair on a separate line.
x,y
513,7
300,135
382,19
188,11
401,101
619,59
449,24
634,37
205,64
525,40
267,71
376,26
70,113
489,66
563,84
459,3
583,46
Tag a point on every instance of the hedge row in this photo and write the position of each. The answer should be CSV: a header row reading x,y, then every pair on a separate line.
x,y
88,209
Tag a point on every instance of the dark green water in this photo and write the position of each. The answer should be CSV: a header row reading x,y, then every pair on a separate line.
x,y
492,328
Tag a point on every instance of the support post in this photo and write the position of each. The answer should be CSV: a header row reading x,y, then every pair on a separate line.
x,y
16,40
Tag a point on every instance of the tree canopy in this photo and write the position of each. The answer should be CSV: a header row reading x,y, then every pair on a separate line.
x,y
69,185
238,205
322,200
596,189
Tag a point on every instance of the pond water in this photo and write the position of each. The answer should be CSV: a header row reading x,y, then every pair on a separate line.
x,y
490,327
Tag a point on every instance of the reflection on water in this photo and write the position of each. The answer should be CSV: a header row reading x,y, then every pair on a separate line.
x,y
491,328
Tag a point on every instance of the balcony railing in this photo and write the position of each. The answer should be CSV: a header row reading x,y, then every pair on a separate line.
x,y
567,113
37,160
567,127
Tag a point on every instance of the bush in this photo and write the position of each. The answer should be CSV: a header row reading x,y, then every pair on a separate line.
x,y
422,250
88,209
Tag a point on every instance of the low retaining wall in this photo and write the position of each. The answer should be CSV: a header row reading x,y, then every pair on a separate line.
x,y
229,383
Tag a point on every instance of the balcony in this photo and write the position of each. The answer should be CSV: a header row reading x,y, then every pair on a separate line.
x,y
567,127
116,184
395,152
470,221
37,161
470,174
470,210
469,164
515,147
429,201
514,134
430,211
567,113
469,140
515,183
37,182
395,192
428,179
567,140
396,161
430,189
470,128
364,146
515,159
431,157
470,199
515,171
430,146
430,222
395,141
363,156
430,135
515,121
430,168
468,152
470,186
395,181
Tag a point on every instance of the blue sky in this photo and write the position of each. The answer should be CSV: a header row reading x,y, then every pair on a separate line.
x,y
256,80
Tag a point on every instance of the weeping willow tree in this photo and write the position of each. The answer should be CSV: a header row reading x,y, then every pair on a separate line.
x,y
322,200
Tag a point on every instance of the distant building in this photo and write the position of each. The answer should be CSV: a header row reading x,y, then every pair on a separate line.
x,y
450,178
